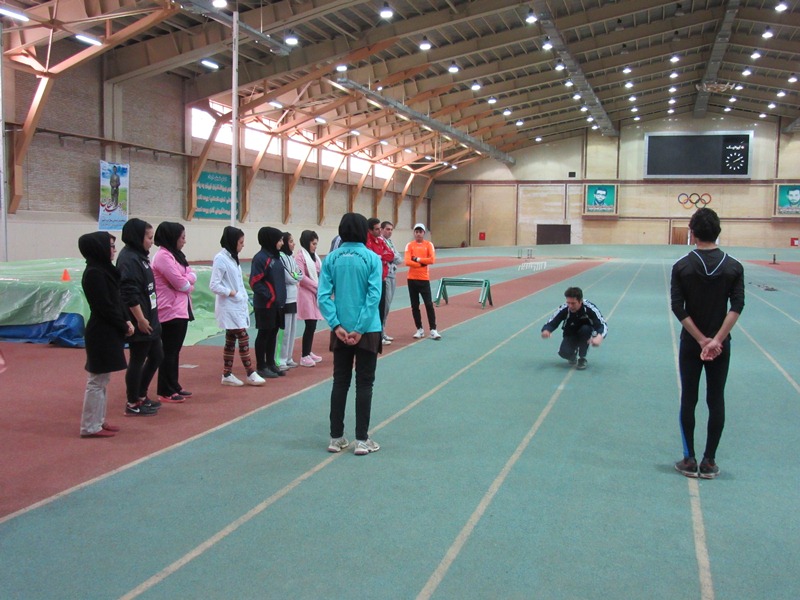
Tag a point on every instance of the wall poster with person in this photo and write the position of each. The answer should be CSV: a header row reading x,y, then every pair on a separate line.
x,y
600,199
787,200
113,210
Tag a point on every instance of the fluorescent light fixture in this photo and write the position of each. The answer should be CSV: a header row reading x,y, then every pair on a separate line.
x,y
210,64
589,119
320,120
341,68
531,18
675,58
219,3
506,112
560,65
747,72
637,118
792,78
670,111
519,123
384,143
672,90
771,105
291,39
12,14
671,101
767,33
355,132
728,109
548,45
732,99
569,83
632,99
584,108
781,94
275,104
781,6
634,109
492,100
739,87
673,75
454,167
386,11
425,44
86,39
538,138
475,86
762,116
453,68
595,127
629,84
576,96
627,70
755,55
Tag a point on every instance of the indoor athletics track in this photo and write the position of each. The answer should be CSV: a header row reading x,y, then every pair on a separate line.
x,y
502,474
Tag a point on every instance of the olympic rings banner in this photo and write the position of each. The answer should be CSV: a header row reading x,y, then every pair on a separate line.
x,y
113,196
600,199
694,200
787,200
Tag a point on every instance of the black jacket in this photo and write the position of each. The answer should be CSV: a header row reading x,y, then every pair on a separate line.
x,y
587,314
138,287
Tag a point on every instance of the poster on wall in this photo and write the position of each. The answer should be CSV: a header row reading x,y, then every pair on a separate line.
x,y
214,196
113,196
787,200
600,199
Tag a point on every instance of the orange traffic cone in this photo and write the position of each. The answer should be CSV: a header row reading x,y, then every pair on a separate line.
x,y
65,276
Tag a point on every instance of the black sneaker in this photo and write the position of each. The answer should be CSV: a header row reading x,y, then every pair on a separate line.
x,y
267,373
708,469
151,403
581,364
275,369
139,409
687,467
572,361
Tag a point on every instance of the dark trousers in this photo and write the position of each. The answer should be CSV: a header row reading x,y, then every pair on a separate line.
x,y
576,344
145,358
365,362
173,333
716,370
417,288
308,336
266,341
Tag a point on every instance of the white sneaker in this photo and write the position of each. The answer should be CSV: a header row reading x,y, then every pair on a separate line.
x,y
231,380
365,447
386,341
338,444
435,335
255,379
291,364
420,334
388,338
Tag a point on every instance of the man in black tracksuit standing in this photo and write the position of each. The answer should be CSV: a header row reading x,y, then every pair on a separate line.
x,y
583,325
704,283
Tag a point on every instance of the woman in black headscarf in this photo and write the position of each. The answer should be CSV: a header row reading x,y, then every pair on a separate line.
x,y
307,307
105,331
138,290
269,298
174,285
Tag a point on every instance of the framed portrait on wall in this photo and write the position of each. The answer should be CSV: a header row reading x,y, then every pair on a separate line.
x,y
600,199
787,200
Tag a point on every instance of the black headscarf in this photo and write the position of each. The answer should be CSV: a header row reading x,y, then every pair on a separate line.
x,y
285,248
96,249
354,228
268,238
230,240
167,236
306,237
133,235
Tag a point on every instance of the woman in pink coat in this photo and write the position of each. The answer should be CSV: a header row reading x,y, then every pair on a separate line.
x,y
307,307
174,285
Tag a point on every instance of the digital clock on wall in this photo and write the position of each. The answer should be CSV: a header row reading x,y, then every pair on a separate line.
x,y
718,154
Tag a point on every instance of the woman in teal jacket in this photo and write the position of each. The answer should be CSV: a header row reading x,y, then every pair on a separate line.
x,y
349,292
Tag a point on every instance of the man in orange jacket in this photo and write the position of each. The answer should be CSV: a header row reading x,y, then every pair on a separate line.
x,y
418,255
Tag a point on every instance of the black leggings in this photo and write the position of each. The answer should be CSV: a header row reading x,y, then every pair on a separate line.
x,y
145,358
716,375
173,334
308,336
266,341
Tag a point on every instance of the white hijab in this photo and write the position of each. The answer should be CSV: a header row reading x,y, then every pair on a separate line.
x,y
311,265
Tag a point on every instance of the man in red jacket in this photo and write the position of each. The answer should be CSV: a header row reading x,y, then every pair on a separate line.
x,y
378,245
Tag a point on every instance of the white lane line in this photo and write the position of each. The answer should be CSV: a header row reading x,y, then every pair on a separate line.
x,y
463,536
698,524
751,293
771,359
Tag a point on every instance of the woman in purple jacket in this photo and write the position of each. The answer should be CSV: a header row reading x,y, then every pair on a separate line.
x,y
174,285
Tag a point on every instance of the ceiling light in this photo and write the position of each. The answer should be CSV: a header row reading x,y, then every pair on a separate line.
x,y
673,75
675,58
559,65
670,111
728,109
341,68
767,33
355,132
219,3
531,18
771,105
672,90
782,6
747,72
17,16
595,127
634,109
454,167
506,112
548,45
589,119
576,96
584,108
519,123
386,11
209,64
637,118
320,120
679,10
632,99
425,45
86,39
569,82
629,84
407,151
781,94
275,104
762,116
291,39
672,101
792,78
538,138
624,49
453,68
627,70
475,86
756,54
492,100
739,87
732,99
